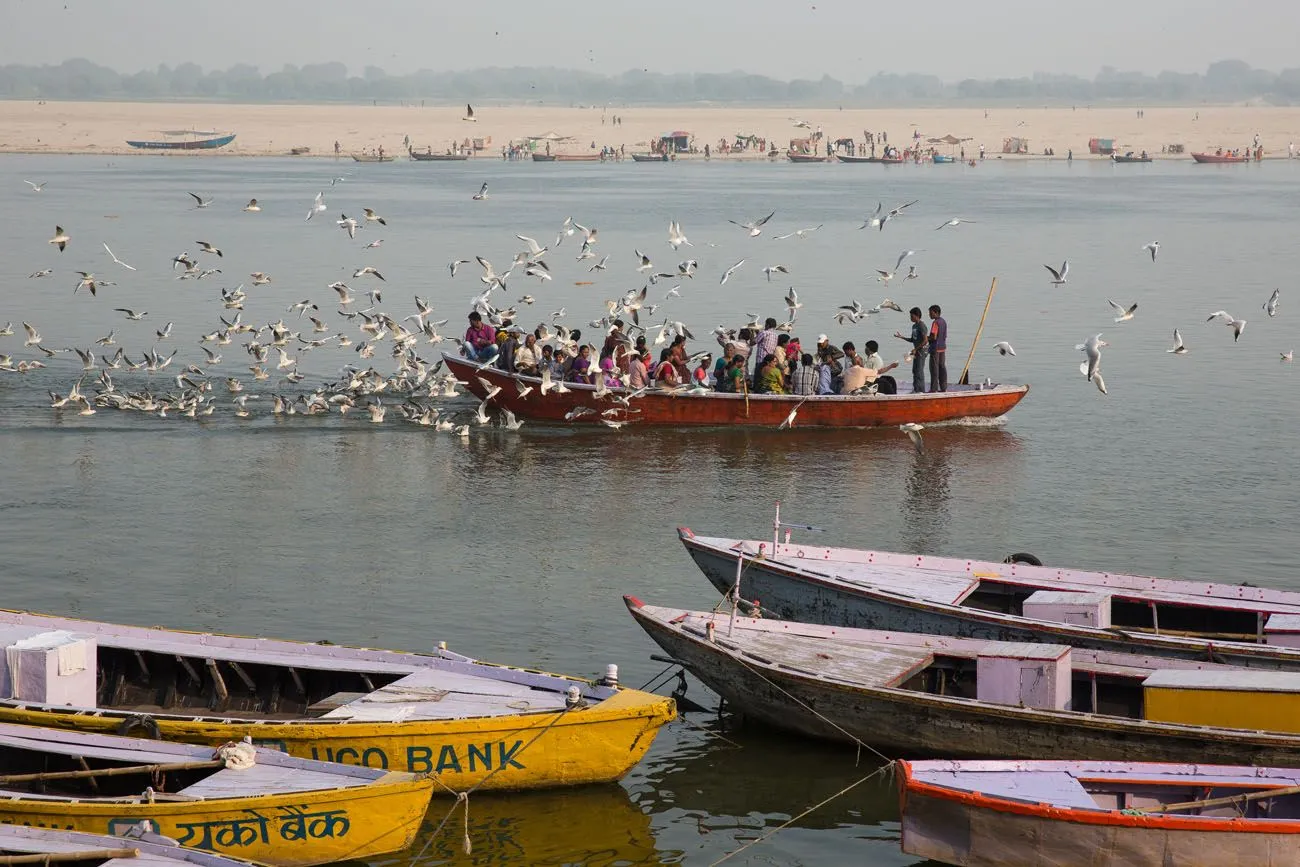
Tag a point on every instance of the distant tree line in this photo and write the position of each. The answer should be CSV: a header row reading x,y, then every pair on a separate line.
x,y
1224,81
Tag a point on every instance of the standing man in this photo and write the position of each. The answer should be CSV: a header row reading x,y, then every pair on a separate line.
x,y
938,350
917,338
764,345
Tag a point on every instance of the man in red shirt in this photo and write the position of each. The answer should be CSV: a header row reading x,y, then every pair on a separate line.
x,y
480,339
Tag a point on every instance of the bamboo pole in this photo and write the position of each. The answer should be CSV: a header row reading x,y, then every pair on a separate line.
x,y
964,379
67,857
1227,800
111,772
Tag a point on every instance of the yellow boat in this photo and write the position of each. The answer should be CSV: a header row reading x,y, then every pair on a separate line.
x,y
242,801
469,724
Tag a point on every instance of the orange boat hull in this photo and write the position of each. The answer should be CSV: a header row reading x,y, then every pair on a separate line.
x,y
657,407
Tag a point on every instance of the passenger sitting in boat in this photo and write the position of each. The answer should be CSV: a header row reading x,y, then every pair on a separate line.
x,y
613,339
804,379
546,361
507,343
826,377
560,364
700,376
666,375
607,372
770,380
735,375
480,339
851,357
677,352
782,357
527,356
885,384
638,375
580,370
720,368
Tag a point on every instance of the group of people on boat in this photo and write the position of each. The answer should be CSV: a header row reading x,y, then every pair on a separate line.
x,y
759,361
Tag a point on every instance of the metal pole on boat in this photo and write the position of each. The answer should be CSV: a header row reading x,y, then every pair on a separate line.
x,y
964,379
776,528
735,588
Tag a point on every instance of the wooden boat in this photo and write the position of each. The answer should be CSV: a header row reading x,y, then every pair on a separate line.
x,y
1130,158
943,158
299,151
845,158
432,157
579,158
544,158
922,695
185,144
134,848
373,158
710,408
254,803
1099,814
1219,158
1254,627
649,158
807,158
467,722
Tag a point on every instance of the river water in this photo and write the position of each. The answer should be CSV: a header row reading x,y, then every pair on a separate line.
x,y
517,547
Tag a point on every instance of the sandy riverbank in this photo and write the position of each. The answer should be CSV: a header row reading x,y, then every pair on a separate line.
x,y
103,127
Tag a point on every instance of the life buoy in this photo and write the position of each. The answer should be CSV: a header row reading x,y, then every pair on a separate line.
x,y
1027,559
140,721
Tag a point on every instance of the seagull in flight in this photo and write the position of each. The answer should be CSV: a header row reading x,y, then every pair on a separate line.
x,y
1237,325
788,422
775,269
1271,304
131,314
199,201
894,212
372,217
1004,348
1153,248
252,206
675,236
798,233
1124,314
317,206
913,432
955,221
347,224
792,302
726,275
1058,277
469,114
482,193
60,238
1179,347
1092,348
117,260
754,227
36,188
205,247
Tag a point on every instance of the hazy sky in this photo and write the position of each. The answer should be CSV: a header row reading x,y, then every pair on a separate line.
x,y
848,39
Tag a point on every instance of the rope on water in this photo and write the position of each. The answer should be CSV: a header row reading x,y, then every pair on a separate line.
x,y
787,823
462,798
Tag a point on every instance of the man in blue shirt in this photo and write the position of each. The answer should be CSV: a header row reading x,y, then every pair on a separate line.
x,y
917,338
938,350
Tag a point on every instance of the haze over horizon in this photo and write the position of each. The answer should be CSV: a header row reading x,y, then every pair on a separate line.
x,y
847,40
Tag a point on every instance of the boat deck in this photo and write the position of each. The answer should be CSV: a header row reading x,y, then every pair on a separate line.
x,y
431,695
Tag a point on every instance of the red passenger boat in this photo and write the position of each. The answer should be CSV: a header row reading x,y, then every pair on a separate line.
x,y
711,408
1220,158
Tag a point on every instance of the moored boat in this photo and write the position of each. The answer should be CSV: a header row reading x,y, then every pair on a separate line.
x,y
469,723
807,158
1130,158
1220,158
845,158
943,158
253,803
579,158
184,144
131,847
373,158
910,694
710,408
430,156
1253,627
1098,814
650,158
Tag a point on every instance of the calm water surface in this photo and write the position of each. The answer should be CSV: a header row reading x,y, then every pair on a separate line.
x,y
518,546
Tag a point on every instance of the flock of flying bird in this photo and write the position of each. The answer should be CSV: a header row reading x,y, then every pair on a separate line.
x,y
416,381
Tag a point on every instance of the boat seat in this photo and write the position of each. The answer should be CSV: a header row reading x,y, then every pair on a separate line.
x,y
262,779
948,588
1059,789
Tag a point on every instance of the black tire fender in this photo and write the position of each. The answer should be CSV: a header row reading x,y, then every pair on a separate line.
x,y
1027,559
140,721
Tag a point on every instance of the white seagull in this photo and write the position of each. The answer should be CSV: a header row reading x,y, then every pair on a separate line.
x,y
775,269
1271,304
1153,248
754,227
1092,348
1123,314
199,201
955,221
1179,347
675,237
913,432
1004,348
726,275
60,238
482,193
317,206
788,422
798,233
1237,325
1058,277
36,188
117,260
469,114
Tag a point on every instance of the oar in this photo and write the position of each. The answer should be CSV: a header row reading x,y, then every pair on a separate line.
x,y
1225,801
110,772
965,371
67,857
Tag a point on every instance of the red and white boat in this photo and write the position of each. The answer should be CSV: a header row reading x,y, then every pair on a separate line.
x,y
1098,814
1220,158
710,408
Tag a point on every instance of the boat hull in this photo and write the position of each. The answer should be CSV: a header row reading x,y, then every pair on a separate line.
x,y
724,410
649,158
200,145
20,839
812,595
971,830
597,744
436,158
1120,159
903,722
366,158
845,158
807,158
290,830
1219,158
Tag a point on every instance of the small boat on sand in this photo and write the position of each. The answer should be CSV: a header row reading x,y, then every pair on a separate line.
x,y
245,801
1220,158
373,158
129,847
710,408
184,144
1254,627
1099,814
910,694
469,723
807,158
